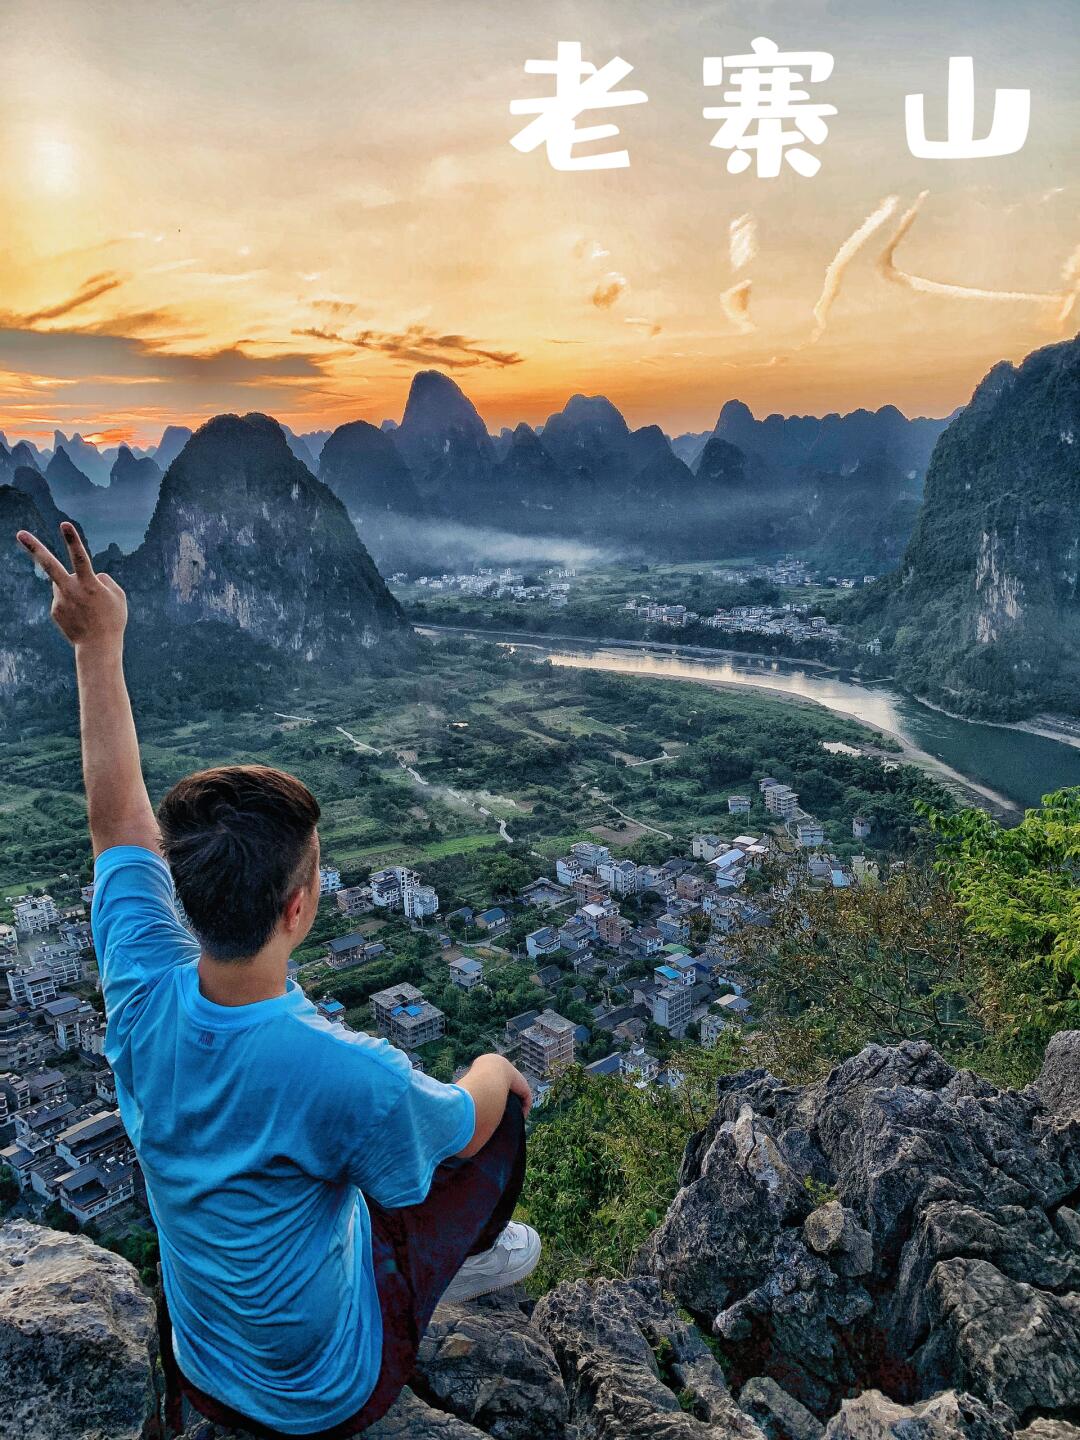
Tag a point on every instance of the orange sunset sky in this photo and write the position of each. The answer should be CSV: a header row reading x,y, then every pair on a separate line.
x,y
292,207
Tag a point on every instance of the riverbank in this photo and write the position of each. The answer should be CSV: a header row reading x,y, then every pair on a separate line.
x,y
967,790
1062,729
1002,767
696,652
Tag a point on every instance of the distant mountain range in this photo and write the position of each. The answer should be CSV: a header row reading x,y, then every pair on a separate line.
x,y
438,490
843,488
112,492
983,614
245,548
249,563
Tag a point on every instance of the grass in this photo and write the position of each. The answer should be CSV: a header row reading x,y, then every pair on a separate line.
x,y
537,764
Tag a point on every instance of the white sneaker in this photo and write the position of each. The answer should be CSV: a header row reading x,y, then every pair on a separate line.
x,y
515,1255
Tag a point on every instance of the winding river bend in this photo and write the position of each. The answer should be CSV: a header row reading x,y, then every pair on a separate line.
x,y
1004,766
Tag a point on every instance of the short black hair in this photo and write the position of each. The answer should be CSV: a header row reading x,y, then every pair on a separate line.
x,y
239,840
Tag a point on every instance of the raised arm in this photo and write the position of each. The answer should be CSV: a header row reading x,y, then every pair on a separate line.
x,y
91,612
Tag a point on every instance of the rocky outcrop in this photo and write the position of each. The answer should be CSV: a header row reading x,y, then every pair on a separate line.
x,y
900,1226
949,1416
890,1254
634,1367
77,1339
486,1364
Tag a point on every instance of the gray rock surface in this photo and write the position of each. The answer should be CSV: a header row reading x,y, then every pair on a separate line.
x,y
890,1254
1049,1430
776,1413
77,1339
407,1419
898,1226
484,1362
949,1416
634,1368
833,1230
1058,1085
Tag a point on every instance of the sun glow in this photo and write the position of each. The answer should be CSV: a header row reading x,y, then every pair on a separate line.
x,y
54,164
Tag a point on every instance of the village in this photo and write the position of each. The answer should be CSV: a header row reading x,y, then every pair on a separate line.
x,y
655,611
630,965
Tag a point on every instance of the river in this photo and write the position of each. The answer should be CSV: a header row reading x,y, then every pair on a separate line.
x,y
999,762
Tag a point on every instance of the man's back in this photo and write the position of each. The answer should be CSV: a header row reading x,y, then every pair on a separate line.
x,y
256,1126
260,1129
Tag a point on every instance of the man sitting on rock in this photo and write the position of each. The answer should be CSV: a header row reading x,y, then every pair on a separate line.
x,y
314,1195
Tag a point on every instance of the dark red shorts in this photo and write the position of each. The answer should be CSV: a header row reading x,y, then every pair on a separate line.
x,y
417,1250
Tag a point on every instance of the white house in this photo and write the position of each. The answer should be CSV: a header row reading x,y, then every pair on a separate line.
x,y
35,913
418,901
568,868
621,875
542,942
781,800
33,987
712,1027
589,855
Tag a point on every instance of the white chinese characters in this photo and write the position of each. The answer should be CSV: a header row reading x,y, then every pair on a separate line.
x,y
768,118
579,86
763,98
1008,129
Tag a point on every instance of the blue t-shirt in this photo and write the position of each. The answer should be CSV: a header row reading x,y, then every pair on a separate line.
x,y
259,1129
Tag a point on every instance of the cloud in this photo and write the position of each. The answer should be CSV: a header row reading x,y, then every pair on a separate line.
x,y
1070,279
645,324
439,543
834,274
419,345
735,303
888,268
332,306
742,240
161,326
226,277
608,290
111,435
95,355
586,249
89,290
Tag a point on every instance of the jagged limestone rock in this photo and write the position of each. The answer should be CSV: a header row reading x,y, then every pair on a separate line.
x,y
634,1369
949,1416
1058,1085
410,1419
779,1415
832,1230
890,1254
485,1363
1009,1342
950,1255
1049,1430
407,1419
78,1337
